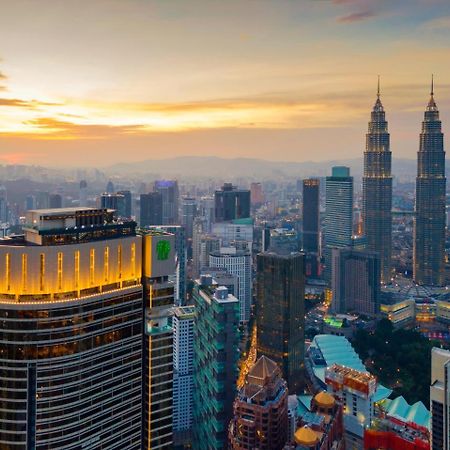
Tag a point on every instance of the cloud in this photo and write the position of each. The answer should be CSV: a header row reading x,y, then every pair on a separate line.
x,y
30,104
45,127
3,77
356,17
440,23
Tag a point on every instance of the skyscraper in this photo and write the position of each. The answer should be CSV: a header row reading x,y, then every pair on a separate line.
x,y
280,306
115,201
158,262
311,223
239,263
429,226
170,196
127,203
183,372
151,209
440,399
232,203
338,213
377,189
355,281
216,339
188,213
260,410
71,340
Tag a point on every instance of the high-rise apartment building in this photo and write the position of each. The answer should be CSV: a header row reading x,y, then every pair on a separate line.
x,y
440,399
157,400
429,227
216,339
239,263
280,308
377,189
232,203
170,197
71,341
355,281
260,410
183,373
151,209
338,213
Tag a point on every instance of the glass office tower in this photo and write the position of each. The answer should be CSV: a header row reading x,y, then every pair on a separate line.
x,y
280,309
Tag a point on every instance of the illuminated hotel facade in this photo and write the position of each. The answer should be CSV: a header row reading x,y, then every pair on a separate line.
x,y
71,343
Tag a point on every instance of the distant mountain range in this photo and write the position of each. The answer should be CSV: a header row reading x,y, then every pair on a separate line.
x,y
211,166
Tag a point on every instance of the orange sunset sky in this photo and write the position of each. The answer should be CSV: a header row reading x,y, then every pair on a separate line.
x,y
97,82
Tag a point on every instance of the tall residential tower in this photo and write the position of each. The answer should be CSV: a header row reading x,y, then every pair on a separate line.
x,y
377,188
429,230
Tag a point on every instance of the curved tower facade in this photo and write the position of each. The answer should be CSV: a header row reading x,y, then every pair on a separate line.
x,y
429,230
377,189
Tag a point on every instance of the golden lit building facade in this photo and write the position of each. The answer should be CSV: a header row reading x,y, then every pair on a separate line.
x,y
71,343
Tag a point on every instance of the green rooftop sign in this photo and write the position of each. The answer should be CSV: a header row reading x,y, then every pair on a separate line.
x,y
163,250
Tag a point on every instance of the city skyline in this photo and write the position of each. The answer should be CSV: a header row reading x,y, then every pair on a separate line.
x,y
244,79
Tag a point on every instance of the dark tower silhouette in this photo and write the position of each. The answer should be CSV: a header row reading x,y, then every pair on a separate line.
x,y
377,188
429,230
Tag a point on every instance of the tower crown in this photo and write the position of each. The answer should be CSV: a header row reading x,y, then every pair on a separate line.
x,y
378,107
432,104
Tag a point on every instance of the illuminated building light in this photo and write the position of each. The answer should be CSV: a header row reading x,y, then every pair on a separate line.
x,y
60,270
8,271
42,272
91,266
24,272
106,264
77,268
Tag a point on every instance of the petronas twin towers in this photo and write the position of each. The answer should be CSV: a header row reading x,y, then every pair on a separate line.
x,y
429,229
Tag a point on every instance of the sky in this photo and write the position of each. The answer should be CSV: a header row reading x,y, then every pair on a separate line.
x,y
99,82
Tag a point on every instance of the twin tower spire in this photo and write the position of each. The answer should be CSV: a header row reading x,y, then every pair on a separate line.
x,y
429,228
